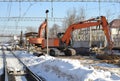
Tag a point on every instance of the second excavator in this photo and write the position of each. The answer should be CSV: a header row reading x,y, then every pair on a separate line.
x,y
41,35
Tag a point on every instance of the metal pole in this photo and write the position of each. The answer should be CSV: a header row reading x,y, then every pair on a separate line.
x,y
47,28
90,44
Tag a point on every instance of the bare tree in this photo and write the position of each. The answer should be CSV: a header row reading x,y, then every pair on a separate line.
x,y
81,14
70,19
108,15
30,29
74,16
118,16
80,17
54,30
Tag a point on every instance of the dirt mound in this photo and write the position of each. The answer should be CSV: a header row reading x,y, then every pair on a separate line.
x,y
113,59
108,57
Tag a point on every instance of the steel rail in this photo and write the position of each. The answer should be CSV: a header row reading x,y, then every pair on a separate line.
x,y
5,67
35,76
32,75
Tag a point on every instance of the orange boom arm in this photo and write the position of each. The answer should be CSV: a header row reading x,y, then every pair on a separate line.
x,y
89,23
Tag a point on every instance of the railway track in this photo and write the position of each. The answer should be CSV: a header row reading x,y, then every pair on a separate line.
x,y
15,69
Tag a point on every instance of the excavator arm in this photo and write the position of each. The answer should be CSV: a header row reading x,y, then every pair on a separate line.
x,y
89,23
41,28
40,38
107,32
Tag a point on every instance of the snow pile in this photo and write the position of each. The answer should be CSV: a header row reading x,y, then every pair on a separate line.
x,y
53,69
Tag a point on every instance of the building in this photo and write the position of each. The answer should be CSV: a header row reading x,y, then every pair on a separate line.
x,y
115,31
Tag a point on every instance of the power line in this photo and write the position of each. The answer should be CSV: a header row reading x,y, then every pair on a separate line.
x,y
19,9
8,12
60,1
31,4
30,19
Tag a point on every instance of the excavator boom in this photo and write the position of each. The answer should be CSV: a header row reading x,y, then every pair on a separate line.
x,y
89,23
66,37
41,28
40,38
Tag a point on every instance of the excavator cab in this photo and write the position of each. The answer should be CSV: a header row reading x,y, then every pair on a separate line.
x,y
59,35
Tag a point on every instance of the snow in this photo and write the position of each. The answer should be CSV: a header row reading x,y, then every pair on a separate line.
x,y
54,69
13,64
20,78
1,63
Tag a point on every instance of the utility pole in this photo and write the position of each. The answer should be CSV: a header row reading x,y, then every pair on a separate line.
x,y
90,43
47,27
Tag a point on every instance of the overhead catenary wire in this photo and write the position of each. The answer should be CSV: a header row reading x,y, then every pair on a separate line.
x,y
52,8
60,1
31,4
26,12
20,11
99,8
119,10
8,13
19,15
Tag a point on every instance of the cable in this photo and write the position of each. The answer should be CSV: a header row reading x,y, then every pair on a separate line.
x,y
116,1
31,4
20,12
16,23
10,9
99,8
19,9
119,10
51,8
8,14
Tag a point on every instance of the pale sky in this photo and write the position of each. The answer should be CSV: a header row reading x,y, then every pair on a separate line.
x,y
37,9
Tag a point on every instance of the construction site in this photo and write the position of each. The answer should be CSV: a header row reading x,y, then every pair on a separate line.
x,y
60,40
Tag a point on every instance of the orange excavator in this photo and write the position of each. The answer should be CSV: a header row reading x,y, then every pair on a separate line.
x,y
41,35
63,42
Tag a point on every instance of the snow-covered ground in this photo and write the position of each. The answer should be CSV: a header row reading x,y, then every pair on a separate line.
x,y
20,78
1,63
13,64
56,69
